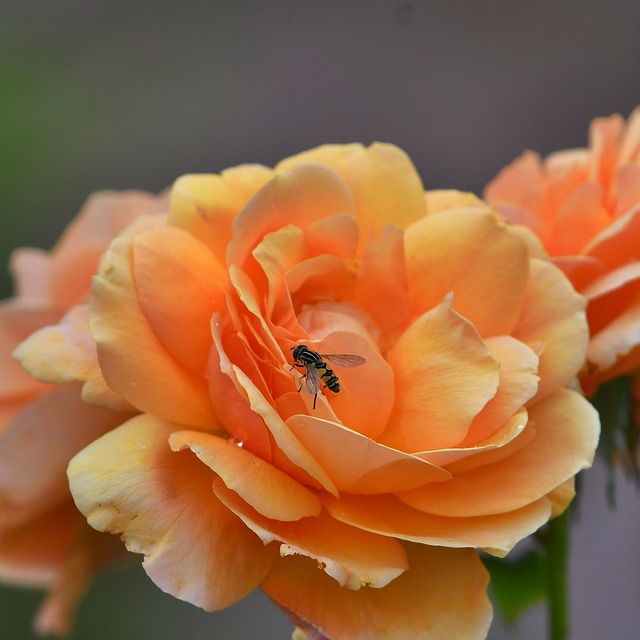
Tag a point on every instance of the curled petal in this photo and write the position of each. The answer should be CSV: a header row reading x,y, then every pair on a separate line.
x,y
552,456
382,179
354,558
63,352
267,489
358,464
161,502
444,375
518,384
206,204
388,516
553,324
18,320
37,443
471,252
134,362
299,196
442,596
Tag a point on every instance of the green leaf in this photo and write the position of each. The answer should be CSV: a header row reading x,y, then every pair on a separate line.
x,y
517,583
619,437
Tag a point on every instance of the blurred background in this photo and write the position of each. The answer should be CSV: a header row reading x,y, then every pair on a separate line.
x,y
99,94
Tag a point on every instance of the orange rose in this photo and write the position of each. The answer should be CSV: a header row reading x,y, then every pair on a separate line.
x,y
357,512
584,205
43,539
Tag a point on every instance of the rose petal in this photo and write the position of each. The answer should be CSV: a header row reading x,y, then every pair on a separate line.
x,y
19,319
133,360
551,457
553,324
442,596
475,255
382,179
518,384
206,204
299,196
382,287
388,516
130,482
286,441
444,375
37,444
351,556
366,395
31,270
617,244
267,489
358,464
179,286
577,220
75,257
63,352
617,340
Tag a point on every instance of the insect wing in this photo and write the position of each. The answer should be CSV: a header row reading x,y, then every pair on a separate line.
x,y
344,359
312,380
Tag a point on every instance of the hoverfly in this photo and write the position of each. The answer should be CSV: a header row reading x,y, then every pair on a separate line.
x,y
316,369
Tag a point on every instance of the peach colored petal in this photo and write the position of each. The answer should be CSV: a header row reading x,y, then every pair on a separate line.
x,y
581,270
91,552
366,395
617,244
553,324
299,196
37,444
352,557
206,204
562,496
580,217
18,320
267,489
31,270
442,596
382,286
133,361
518,384
443,199
498,440
229,400
24,559
630,146
604,136
179,286
627,188
63,352
518,182
286,441
444,375
358,464
611,295
161,502
75,257
475,255
382,179
550,458
388,516
616,340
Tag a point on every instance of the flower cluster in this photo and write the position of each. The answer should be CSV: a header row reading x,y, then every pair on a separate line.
x,y
212,423
584,207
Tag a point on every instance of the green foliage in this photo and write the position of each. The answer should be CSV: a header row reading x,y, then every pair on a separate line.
x,y
517,583
618,445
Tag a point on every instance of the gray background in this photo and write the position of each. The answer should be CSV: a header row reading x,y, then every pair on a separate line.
x,y
116,94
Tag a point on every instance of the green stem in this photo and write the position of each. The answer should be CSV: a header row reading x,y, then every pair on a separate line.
x,y
557,568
